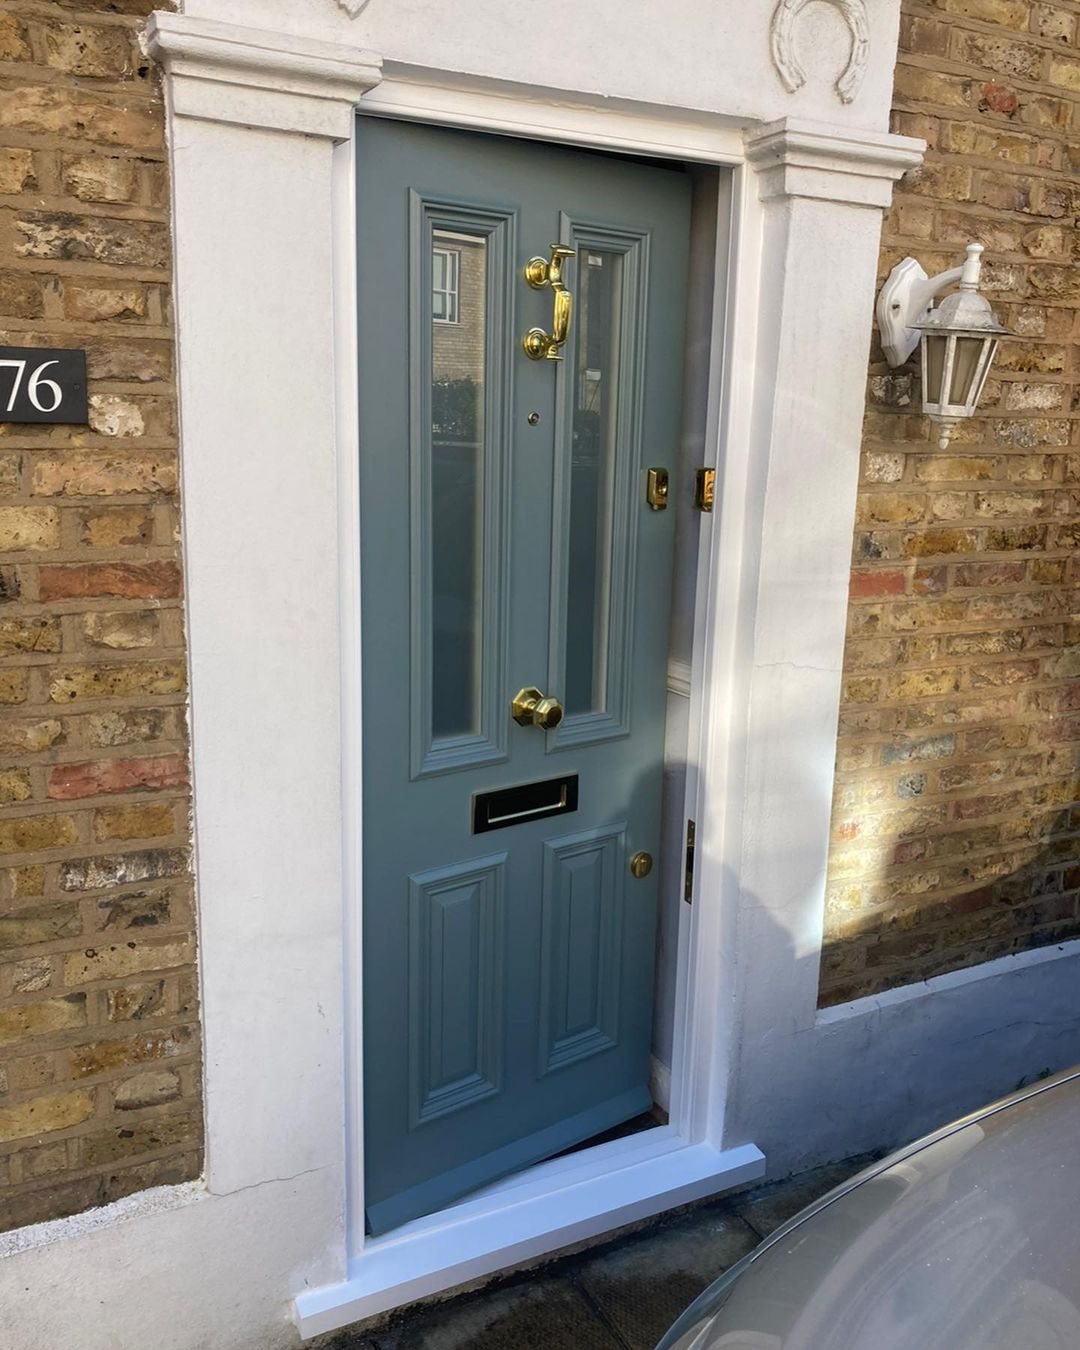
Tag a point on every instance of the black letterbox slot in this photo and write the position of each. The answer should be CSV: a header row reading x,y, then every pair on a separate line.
x,y
527,801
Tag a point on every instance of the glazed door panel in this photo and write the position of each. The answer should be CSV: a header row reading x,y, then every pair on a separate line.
x,y
506,544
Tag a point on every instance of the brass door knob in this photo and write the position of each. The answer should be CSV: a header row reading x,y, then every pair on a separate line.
x,y
641,865
531,708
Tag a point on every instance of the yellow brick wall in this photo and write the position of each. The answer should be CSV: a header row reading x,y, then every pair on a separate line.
x,y
955,832
99,1051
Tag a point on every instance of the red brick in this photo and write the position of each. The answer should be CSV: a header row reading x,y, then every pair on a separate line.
x,y
864,584
129,581
69,781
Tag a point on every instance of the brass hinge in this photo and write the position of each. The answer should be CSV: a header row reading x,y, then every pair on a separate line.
x,y
705,489
688,877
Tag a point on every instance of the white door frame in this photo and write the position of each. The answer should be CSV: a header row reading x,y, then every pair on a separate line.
x,y
594,1189
768,639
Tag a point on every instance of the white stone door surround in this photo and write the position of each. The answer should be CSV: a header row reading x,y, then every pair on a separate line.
x,y
261,114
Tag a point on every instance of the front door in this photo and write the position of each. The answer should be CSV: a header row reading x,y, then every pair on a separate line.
x,y
515,589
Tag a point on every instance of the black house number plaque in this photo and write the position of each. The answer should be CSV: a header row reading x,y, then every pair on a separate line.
x,y
41,384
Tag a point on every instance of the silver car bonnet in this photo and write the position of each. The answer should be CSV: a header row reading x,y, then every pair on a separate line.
x,y
966,1240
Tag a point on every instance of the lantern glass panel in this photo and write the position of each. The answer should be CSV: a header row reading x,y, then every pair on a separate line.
x,y
935,367
965,364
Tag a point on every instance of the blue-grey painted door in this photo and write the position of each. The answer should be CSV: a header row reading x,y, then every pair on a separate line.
x,y
507,543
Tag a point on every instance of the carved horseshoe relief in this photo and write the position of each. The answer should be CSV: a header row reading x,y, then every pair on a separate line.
x,y
782,42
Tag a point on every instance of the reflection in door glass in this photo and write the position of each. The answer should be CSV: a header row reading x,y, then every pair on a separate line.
x,y
458,268
592,479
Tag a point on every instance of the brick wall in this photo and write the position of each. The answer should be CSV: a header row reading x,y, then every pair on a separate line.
x,y
99,1070
958,765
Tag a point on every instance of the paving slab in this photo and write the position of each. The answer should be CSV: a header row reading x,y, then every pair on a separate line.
x,y
642,1284
537,1314
766,1207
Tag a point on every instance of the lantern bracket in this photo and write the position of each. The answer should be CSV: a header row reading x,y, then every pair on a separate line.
x,y
908,296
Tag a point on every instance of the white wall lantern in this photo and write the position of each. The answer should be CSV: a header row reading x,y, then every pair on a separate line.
x,y
958,338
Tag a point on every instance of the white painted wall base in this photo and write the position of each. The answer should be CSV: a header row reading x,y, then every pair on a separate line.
x,y
175,1268
883,1070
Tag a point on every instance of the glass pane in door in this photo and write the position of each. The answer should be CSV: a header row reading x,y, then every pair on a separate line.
x,y
458,340
592,478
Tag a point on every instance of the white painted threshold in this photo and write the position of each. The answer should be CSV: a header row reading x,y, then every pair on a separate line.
x,y
540,1210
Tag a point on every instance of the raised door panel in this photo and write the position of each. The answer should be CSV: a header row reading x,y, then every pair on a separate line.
x,y
580,945
456,994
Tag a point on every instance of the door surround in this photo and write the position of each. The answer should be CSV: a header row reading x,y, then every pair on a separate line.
x,y
806,201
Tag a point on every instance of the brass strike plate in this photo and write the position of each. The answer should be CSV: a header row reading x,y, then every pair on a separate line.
x,y
656,489
705,489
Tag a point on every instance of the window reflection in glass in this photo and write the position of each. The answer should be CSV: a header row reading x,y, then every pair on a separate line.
x,y
592,479
457,461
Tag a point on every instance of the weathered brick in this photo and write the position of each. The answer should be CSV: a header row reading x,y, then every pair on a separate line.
x,y
28,880
41,633
117,526
883,467
70,781
32,528
16,170
66,237
88,50
104,473
21,296
42,1115
116,415
127,631
1065,72
99,303
928,86
145,1137
40,923
109,681
33,1072
23,1020
102,730
128,360
127,581
955,468
97,1057
29,834
155,1087
923,683
31,975
989,51
929,543
133,1002
14,44
134,822
28,736
79,115
118,869
135,909
15,786
1014,14
1051,21
878,583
